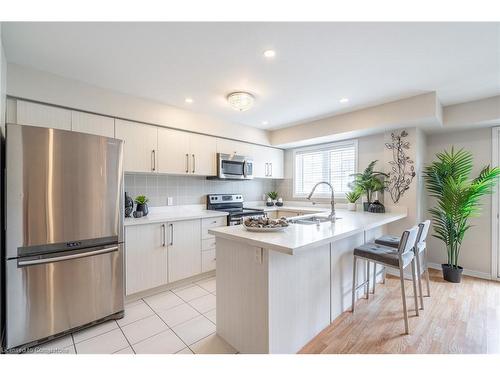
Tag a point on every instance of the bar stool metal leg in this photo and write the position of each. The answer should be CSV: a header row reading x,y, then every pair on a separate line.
x,y
419,275
427,274
414,281
374,276
405,311
367,279
354,282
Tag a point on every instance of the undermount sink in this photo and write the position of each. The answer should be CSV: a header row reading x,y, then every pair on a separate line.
x,y
312,220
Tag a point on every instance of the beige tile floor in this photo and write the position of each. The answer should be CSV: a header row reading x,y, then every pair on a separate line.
x,y
176,321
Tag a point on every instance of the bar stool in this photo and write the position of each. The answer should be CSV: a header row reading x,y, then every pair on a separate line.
x,y
388,257
419,250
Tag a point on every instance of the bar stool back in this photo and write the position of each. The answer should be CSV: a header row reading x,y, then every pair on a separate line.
x,y
393,241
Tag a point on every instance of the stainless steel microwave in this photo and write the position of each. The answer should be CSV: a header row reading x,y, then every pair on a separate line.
x,y
234,167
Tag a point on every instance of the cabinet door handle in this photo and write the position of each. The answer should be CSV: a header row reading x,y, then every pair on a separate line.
x,y
271,169
163,235
171,234
153,160
187,163
267,169
194,165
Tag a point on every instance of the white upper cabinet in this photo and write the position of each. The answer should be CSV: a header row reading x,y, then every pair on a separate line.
x,y
173,151
186,153
46,116
203,150
140,146
226,146
268,162
276,163
92,124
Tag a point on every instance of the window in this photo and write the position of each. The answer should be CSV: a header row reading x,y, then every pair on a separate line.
x,y
333,162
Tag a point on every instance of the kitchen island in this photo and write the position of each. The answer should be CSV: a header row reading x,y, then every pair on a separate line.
x,y
276,291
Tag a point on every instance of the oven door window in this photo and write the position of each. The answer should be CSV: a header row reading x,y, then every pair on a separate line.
x,y
233,167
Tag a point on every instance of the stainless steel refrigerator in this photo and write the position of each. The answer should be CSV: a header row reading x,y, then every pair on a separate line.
x,y
63,255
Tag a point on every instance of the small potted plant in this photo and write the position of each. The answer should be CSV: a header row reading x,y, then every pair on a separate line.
x,y
369,182
352,197
271,198
142,204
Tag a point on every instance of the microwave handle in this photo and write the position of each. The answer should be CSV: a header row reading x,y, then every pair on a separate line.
x,y
244,168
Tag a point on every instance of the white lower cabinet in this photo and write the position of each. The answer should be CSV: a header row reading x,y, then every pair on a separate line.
x,y
207,260
158,254
146,257
184,249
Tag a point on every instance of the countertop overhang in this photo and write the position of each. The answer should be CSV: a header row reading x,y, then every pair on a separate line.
x,y
298,237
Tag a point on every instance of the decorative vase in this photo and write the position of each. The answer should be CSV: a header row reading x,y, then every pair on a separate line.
x,y
269,202
376,207
279,203
138,214
351,206
143,207
452,274
366,205
129,205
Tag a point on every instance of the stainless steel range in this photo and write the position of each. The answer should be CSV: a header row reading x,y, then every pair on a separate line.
x,y
233,204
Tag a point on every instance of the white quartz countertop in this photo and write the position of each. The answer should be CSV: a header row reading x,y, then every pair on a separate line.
x,y
173,213
298,237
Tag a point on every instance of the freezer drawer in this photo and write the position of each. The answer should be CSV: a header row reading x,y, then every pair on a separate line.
x,y
47,296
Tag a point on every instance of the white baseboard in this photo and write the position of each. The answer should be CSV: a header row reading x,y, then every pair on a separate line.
x,y
467,272
436,266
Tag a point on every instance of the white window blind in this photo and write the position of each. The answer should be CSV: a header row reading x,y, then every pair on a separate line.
x,y
333,163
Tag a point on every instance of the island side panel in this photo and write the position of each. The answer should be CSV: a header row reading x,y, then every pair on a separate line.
x,y
342,266
242,296
299,297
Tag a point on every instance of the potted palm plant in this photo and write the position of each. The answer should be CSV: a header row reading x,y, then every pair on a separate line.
x,y
352,197
369,182
447,180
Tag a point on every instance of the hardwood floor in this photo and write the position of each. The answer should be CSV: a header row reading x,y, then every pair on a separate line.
x,y
458,318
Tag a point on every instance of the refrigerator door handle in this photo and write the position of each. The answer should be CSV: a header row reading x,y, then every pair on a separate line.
x,y
32,262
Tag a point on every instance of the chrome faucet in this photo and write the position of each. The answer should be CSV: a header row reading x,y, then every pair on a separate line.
x,y
332,202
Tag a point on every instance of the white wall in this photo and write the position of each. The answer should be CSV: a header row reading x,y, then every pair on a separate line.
x,y
475,255
41,86
3,81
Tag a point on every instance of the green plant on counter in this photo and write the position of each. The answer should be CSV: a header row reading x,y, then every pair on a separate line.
x,y
354,195
369,181
141,199
457,196
273,195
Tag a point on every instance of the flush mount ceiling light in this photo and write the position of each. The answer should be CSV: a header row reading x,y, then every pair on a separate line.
x,y
241,101
344,100
270,53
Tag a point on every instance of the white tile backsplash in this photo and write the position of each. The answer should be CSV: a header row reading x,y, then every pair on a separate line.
x,y
191,189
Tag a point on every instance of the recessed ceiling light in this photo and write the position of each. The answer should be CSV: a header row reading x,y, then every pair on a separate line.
x,y
344,100
188,100
265,122
270,53
240,100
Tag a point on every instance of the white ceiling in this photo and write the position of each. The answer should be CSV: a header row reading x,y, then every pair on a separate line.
x,y
316,63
